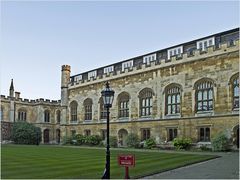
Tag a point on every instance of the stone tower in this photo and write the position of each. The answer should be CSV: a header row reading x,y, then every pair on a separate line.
x,y
65,79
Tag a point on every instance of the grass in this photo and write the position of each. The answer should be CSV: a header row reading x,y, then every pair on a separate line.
x,y
51,162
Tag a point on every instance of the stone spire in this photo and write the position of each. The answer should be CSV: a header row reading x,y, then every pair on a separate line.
x,y
11,90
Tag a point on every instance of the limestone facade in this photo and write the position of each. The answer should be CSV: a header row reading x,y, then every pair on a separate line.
x,y
191,92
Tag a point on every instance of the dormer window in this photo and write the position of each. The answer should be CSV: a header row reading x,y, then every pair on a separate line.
x,y
78,78
128,64
204,44
175,51
108,69
148,59
92,74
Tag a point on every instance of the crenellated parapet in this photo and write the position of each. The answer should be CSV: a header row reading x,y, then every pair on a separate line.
x,y
66,68
30,101
159,62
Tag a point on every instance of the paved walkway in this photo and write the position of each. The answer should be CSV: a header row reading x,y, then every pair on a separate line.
x,y
225,167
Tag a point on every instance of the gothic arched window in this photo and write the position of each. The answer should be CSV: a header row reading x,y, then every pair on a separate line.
x,y
22,115
204,95
123,105
58,116
235,91
46,116
146,102
88,109
73,111
172,100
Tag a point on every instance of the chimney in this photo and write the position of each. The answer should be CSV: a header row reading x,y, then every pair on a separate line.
x,y
17,95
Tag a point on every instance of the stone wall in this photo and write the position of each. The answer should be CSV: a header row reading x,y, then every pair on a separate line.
x,y
6,128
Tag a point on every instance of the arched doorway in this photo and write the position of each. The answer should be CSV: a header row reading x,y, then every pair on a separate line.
x,y
46,136
236,136
122,137
58,136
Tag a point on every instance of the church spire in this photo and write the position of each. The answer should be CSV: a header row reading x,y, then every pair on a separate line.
x,y
11,90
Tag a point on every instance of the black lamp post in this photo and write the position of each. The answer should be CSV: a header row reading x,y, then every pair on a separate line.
x,y
107,95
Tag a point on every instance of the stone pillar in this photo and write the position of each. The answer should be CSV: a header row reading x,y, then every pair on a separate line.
x,y
12,111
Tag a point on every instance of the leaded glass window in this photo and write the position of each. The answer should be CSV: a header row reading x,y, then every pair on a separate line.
x,y
236,92
46,116
22,115
204,134
173,100
172,133
146,102
88,109
145,134
204,96
73,111
123,105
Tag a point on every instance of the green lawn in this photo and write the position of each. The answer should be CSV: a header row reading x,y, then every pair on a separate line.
x,y
51,162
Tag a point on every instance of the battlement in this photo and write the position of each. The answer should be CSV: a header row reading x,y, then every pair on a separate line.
x,y
186,56
66,68
30,101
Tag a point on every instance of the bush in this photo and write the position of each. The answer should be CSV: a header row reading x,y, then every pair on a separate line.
x,y
150,143
182,143
93,140
113,141
80,139
26,133
220,142
132,140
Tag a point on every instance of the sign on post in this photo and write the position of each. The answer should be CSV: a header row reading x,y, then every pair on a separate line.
x,y
126,161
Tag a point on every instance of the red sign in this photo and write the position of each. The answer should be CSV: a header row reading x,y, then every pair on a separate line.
x,y
126,160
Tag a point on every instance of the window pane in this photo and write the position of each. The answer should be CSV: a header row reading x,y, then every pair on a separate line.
x,y
169,109
169,99
205,95
205,107
199,106
173,109
173,99
199,95
236,91
178,98
210,94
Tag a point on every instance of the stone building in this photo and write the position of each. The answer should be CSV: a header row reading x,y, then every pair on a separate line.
x,y
187,90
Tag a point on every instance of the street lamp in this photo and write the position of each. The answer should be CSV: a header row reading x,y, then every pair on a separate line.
x,y
107,95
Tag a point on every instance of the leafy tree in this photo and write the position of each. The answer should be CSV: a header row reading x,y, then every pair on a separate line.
x,y
26,133
220,142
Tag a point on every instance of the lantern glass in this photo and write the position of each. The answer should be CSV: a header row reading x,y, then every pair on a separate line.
x,y
107,95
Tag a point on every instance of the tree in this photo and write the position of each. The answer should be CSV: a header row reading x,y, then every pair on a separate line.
x,y
26,133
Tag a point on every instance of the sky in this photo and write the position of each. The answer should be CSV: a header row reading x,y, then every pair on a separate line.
x,y
38,37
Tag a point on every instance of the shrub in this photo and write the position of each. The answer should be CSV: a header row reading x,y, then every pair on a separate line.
x,y
113,141
182,143
80,139
93,140
220,142
150,143
26,133
132,140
